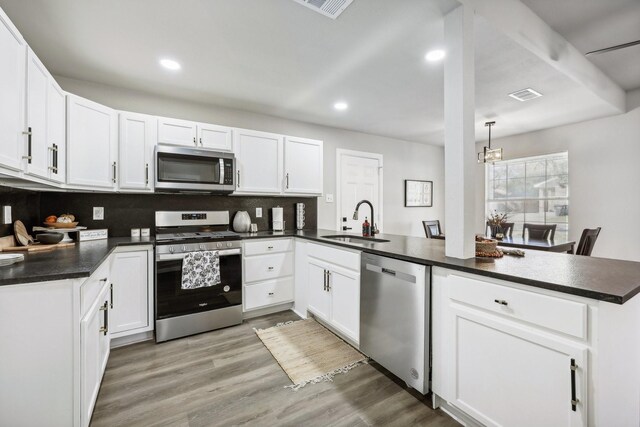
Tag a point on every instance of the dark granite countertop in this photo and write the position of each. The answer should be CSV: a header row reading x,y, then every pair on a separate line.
x,y
73,262
610,280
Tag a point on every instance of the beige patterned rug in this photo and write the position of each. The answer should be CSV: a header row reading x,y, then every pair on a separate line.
x,y
308,352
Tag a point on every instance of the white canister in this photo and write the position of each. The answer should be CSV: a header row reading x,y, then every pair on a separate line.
x,y
241,222
278,218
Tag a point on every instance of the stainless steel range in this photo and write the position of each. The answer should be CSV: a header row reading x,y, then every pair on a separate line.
x,y
181,312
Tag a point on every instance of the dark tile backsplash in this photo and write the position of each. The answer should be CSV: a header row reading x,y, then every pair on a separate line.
x,y
122,212
25,206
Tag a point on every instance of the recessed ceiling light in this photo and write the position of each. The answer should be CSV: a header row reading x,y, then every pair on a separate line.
x,y
170,64
435,55
341,106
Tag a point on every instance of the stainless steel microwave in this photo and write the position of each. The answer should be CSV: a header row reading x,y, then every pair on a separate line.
x,y
184,169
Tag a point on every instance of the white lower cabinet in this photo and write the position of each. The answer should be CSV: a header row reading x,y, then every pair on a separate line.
x,y
94,351
333,293
267,273
131,291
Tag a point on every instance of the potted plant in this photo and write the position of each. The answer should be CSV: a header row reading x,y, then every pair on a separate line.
x,y
496,221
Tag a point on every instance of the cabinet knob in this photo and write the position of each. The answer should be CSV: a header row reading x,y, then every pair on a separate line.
x,y
270,293
501,302
270,268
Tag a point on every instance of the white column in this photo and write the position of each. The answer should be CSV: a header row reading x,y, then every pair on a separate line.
x,y
459,137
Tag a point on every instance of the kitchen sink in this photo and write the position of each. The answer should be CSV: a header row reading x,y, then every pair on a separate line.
x,y
347,238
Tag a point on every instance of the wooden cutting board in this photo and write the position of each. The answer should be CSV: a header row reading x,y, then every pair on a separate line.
x,y
21,233
37,247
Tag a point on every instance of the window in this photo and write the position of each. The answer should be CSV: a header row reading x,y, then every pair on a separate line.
x,y
532,190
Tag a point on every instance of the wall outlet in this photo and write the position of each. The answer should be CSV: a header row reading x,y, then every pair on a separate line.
x,y
328,198
258,212
98,213
6,215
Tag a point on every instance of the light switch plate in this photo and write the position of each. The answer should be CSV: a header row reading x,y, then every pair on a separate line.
x,y
258,212
98,213
6,215
328,198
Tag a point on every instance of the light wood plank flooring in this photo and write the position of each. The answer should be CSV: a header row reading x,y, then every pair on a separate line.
x,y
227,377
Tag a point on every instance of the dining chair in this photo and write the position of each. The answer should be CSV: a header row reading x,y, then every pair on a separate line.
x,y
507,228
432,228
540,231
587,241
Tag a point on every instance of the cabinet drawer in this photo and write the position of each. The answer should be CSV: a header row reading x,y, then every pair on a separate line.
x,y
261,247
561,315
332,255
268,293
266,267
90,289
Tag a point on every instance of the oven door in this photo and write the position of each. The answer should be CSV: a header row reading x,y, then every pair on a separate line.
x,y
172,300
180,169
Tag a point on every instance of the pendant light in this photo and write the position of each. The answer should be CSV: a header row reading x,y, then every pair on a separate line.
x,y
490,155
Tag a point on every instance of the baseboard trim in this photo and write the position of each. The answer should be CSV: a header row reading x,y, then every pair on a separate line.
x,y
267,310
453,412
131,339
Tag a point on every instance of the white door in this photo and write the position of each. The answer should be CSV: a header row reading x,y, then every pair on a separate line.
x,y
93,354
38,158
176,132
215,137
359,177
57,131
344,287
501,368
303,165
12,88
319,299
135,147
259,161
130,281
92,143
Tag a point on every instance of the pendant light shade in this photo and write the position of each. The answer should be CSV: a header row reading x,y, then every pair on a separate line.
x,y
490,155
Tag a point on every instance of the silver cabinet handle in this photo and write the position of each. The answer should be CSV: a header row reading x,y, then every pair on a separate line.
x,y
146,174
270,268
238,183
269,247
194,141
114,172
287,180
105,309
28,156
328,281
574,399
53,168
325,280
501,302
201,144
270,293
111,291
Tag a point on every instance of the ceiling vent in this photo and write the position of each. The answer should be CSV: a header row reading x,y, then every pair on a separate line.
x,y
330,8
525,94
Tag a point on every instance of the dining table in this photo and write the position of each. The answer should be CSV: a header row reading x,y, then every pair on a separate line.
x,y
549,245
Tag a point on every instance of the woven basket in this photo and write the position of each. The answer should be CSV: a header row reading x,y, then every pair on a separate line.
x,y
486,246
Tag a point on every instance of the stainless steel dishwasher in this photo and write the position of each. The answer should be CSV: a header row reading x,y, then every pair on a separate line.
x,y
394,317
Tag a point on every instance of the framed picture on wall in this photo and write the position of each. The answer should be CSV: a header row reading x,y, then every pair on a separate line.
x,y
418,193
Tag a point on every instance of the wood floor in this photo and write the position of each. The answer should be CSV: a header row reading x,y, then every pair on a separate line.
x,y
227,377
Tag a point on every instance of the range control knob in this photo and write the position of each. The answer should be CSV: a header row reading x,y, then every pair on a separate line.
x,y
171,249
229,244
201,247
219,245
184,248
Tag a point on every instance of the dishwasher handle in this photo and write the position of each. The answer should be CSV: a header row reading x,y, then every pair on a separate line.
x,y
387,271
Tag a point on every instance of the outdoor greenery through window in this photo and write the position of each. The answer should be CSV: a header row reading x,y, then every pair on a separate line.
x,y
532,190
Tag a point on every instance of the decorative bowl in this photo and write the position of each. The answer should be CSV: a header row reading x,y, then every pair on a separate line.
x,y
49,238
486,246
61,224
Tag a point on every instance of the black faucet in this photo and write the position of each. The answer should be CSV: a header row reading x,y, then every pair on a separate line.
x,y
374,228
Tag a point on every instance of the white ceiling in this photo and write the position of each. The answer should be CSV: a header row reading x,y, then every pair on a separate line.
x,y
596,24
280,58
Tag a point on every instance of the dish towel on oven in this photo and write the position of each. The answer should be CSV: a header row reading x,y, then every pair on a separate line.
x,y
200,269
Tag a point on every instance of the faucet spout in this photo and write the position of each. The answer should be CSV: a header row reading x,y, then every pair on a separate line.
x,y
374,230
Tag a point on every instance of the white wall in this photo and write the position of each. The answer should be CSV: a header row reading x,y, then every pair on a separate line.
x,y
402,159
604,176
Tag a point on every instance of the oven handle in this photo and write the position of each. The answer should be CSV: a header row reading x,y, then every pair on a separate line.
x,y
171,257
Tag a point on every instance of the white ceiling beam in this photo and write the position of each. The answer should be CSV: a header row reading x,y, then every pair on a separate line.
x,y
521,24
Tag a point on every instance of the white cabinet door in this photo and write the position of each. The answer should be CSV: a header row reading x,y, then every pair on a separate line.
x,y
506,374
94,352
57,131
91,144
259,158
130,281
12,88
38,158
176,132
135,148
344,287
214,137
319,299
302,165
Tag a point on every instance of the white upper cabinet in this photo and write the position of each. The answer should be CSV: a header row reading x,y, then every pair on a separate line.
x,y
214,137
177,132
302,165
12,88
259,161
46,123
57,132
135,148
92,139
